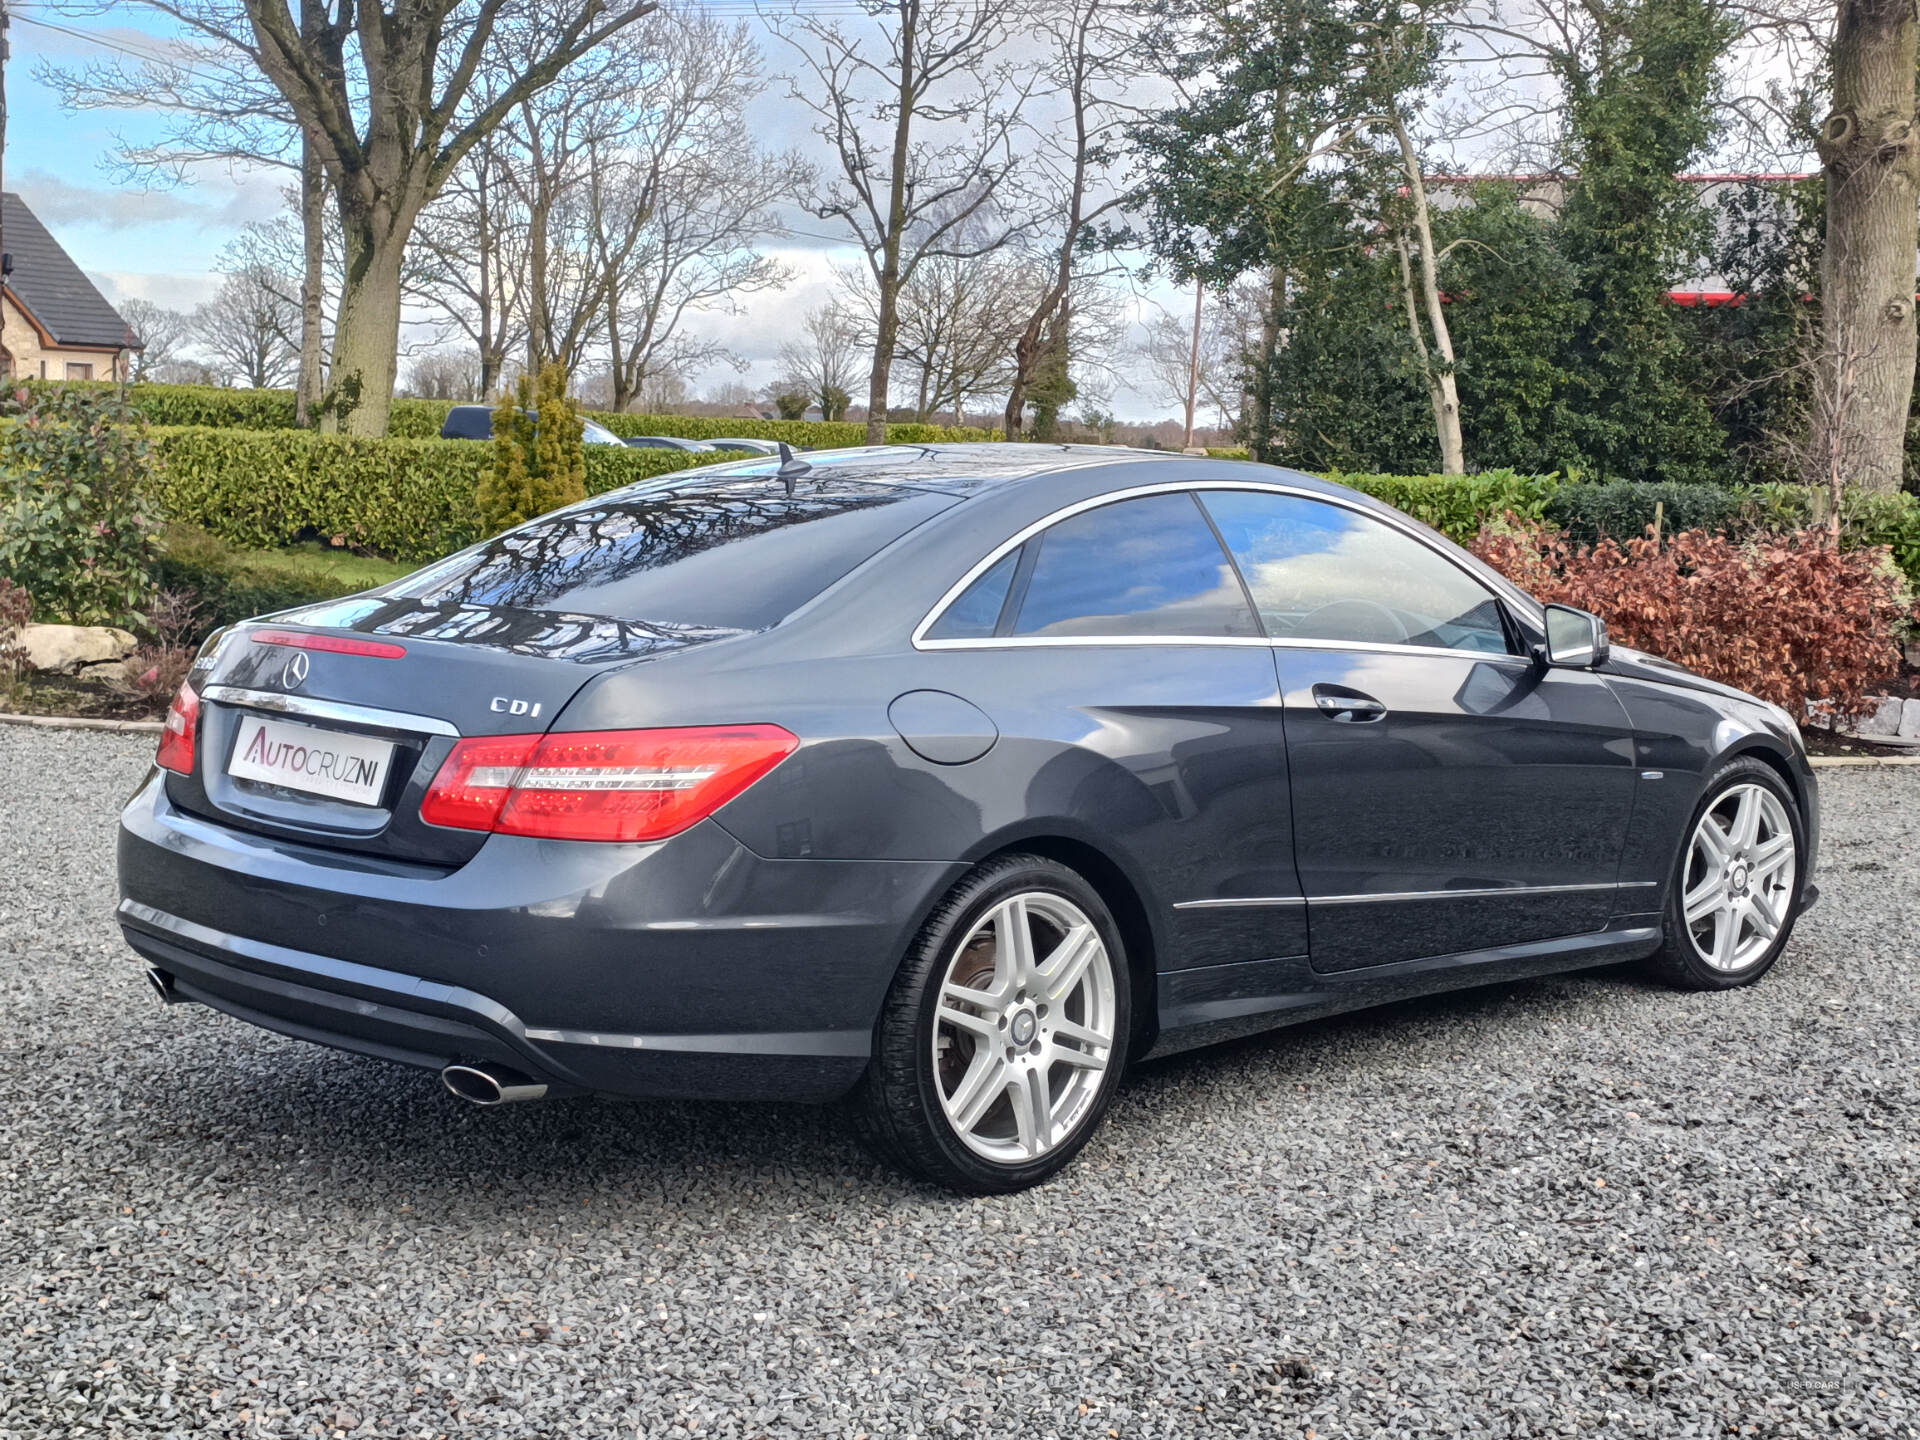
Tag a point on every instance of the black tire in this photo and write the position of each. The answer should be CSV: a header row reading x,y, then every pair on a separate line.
x,y
1677,961
896,1110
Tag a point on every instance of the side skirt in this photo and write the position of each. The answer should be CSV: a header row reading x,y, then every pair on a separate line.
x,y
1212,1003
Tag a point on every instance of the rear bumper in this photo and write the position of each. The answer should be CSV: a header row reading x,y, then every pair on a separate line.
x,y
691,968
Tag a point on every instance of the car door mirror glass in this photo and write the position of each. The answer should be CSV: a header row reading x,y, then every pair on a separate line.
x,y
1576,639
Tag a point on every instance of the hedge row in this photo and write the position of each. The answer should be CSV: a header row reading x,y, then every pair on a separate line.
x,y
413,499
1458,505
410,499
216,406
420,418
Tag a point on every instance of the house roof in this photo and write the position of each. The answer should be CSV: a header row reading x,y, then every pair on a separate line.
x,y
51,287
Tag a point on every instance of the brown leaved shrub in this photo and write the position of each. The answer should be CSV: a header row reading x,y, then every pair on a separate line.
x,y
1785,617
154,670
16,609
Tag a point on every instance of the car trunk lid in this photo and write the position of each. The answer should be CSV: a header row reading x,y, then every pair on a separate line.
x,y
326,725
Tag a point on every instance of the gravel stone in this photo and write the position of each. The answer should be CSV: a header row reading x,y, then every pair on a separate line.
x,y
1580,1206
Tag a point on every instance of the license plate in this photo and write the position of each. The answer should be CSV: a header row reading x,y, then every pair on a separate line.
x,y
319,762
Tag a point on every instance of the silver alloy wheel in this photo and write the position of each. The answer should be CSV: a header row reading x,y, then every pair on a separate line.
x,y
1738,886
1024,1028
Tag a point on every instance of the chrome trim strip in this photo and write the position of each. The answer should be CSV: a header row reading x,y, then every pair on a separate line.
x,y
768,1042
1408,527
1508,891
281,704
1250,900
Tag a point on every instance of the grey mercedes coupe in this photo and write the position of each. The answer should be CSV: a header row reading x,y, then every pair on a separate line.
x,y
946,782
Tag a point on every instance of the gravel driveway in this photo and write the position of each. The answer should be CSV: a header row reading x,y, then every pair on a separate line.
x,y
1576,1206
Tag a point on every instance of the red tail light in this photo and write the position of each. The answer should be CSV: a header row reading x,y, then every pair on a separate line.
x,y
183,725
601,784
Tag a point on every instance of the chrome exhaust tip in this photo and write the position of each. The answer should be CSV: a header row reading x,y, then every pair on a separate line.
x,y
491,1084
162,984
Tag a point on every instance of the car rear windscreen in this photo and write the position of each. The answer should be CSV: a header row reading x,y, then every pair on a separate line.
x,y
737,555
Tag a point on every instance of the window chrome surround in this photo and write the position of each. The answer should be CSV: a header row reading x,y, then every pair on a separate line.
x,y
1505,590
279,704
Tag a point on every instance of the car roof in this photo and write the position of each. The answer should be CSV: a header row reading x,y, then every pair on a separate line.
x,y
960,469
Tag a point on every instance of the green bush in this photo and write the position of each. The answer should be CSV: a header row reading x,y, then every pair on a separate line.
x,y
1457,505
409,499
224,587
1622,510
77,525
196,404
214,405
534,464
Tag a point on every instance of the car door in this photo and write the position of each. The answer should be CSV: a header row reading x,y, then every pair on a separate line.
x,y
1118,642
1449,794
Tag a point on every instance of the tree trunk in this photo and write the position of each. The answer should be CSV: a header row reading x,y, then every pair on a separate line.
x,y
1260,417
1441,381
1024,351
1868,148
1193,364
885,333
366,331
487,243
313,236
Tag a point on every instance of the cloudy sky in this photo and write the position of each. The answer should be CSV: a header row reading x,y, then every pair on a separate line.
x,y
164,245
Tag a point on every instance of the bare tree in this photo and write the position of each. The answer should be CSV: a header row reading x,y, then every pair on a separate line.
x,y
216,108
249,332
677,210
1092,62
960,317
385,91
1216,378
921,122
444,375
1436,358
160,331
1871,152
823,361
472,245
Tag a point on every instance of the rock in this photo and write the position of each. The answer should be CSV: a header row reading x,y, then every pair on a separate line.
x,y
1883,719
69,649
1909,720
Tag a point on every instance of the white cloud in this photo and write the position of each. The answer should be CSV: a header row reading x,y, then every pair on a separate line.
x,y
176,291
217,200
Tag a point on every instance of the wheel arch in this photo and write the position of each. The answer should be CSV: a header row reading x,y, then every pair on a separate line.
x,y
1775,756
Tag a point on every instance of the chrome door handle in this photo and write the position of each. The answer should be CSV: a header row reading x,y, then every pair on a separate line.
x,y
1347,706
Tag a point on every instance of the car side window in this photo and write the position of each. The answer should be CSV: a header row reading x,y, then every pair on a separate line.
x,y
976,614
1150,566
1320,571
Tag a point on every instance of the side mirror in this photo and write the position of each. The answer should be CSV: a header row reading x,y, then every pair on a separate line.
x,y
1576,639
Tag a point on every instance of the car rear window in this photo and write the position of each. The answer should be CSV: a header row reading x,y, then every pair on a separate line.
x,y
741,555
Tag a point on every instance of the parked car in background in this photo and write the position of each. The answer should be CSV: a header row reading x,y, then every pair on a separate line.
x,y
948,780
668,442
475,422
746,446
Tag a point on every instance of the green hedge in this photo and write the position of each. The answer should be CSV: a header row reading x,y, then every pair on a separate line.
x,y
410,499
213,405
1456,505
1624,509
421,418
228,586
